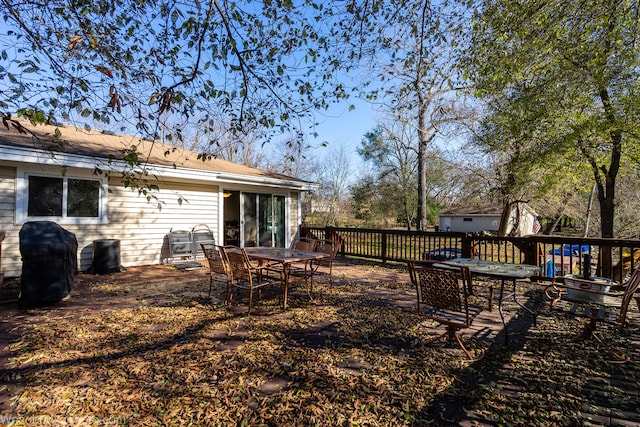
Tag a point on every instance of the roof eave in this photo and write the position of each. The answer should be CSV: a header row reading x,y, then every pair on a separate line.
x,y
37,156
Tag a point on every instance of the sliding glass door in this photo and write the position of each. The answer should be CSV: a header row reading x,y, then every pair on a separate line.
x,y
264,219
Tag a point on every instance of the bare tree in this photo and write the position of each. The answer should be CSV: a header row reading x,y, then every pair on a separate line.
x,y
406,46
333,174
290,156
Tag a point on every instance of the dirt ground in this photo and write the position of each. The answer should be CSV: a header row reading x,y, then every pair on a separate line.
x,y
384,285
145,285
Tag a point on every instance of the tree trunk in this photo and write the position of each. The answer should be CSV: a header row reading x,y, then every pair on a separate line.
x,y
589,207
607,190
504,218
421,221
605,181
407,215
553,225
606,197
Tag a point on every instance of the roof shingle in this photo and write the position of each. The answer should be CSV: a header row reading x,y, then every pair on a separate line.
x,y
96,144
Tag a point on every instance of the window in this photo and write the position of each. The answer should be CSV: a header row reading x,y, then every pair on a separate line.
x,y
467,219
45,196
83,198
63,199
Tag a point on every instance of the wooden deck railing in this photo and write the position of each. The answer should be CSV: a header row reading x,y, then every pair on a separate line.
x,y
555,255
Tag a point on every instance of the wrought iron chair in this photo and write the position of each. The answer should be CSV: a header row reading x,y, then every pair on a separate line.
x,y
218,265
442,295
303,271
444,254
305,244
329,247
244,274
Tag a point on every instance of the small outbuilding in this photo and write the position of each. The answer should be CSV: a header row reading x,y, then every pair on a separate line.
x,y
473,218
470,218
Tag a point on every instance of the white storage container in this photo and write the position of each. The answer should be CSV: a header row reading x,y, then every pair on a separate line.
x,y
599,284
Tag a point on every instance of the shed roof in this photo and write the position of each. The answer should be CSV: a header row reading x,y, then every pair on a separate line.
x,y
96,144
472,209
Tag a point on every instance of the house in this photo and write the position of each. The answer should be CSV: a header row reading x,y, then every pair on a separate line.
x,y
476,218
76,178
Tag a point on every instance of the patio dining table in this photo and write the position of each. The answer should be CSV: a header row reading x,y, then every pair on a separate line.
x,y
503,272
286,257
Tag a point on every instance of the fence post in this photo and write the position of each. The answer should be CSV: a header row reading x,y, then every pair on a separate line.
x,y
330,233
531,252
467,244
307,232
384,246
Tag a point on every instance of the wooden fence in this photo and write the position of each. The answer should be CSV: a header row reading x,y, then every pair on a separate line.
x,y
555,255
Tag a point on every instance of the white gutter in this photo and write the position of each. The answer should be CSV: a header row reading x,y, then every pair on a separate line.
x,y
230,178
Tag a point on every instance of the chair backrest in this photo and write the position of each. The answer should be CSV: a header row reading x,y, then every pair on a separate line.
x,y
441,288
305,245
202,234
239,263
630,288
329,247
180,243
217,258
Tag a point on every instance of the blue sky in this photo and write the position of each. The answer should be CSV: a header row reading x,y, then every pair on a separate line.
x,y
341,127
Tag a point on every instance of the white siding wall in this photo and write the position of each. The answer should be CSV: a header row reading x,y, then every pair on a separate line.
x,y
293,216
140,225
10,253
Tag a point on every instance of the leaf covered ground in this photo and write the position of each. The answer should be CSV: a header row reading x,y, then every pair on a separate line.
x,y
149,353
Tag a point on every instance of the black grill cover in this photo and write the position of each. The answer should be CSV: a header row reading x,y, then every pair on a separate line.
x,y
49,262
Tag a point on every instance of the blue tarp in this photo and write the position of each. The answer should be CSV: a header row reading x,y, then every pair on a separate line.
x,y
568,250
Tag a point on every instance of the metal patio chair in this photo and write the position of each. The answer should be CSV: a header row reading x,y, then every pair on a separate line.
x,y
180,245
245,275
329,247
303,271
219,269
201,234
442,295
